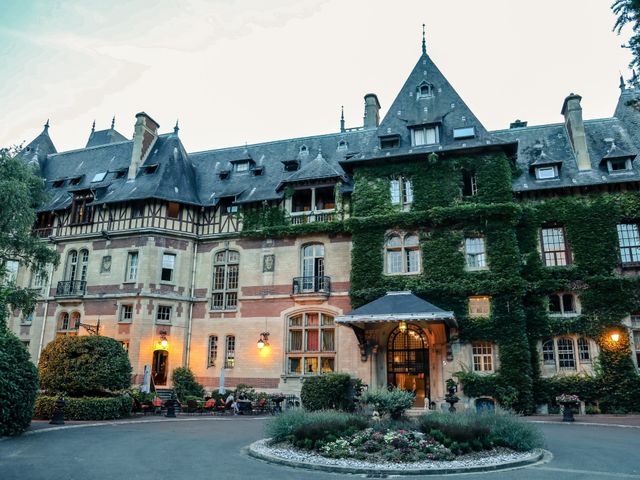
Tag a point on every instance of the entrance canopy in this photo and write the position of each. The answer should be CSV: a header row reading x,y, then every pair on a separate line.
x,y
398,306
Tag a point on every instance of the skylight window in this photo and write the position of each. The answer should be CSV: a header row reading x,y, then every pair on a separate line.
x,y
98,177
464,132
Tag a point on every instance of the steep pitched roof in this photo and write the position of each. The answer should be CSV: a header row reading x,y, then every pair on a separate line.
x,y
36,151
104,137
316,169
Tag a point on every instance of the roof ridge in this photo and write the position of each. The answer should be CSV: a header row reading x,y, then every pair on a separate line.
x,y
90,148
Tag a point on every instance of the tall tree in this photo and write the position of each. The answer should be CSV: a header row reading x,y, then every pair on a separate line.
x,y
21,192
628,12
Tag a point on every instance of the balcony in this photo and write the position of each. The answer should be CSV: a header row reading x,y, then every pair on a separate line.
x,y
311,285
298,218
71,288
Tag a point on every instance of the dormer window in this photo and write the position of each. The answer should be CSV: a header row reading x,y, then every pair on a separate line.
x,y
304,150
150,169
57,183
121,173
547,173
424,136
75,180
389,142
291,165
618,165
342,145
224,174
241,166
425,90
257,171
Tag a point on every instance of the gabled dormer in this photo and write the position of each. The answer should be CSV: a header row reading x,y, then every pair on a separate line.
x,y
617,160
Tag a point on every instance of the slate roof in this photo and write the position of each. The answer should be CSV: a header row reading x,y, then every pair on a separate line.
x,y
396,306
104,137
198,179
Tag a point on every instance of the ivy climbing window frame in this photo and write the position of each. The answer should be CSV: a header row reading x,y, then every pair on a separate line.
x,y
401,192
554,246
629,244
402,254
482,357
475,254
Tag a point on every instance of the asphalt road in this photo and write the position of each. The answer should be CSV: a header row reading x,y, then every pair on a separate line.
x,y
212,449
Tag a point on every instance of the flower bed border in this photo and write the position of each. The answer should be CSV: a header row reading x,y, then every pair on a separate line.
x,y
535,456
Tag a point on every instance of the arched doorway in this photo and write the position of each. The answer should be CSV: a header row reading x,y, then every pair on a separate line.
x,y
408,361
159,367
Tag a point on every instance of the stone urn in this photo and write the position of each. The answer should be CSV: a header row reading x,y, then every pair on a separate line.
x,y
567,411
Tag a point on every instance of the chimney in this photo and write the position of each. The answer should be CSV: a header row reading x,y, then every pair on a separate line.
x,y
371,110
518,124
572,112
144,136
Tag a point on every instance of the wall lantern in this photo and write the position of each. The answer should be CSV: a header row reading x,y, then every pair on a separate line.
x,y
615,337
164,343
264,340
402,327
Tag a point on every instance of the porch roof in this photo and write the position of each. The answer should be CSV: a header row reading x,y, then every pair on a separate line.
x,y
396,306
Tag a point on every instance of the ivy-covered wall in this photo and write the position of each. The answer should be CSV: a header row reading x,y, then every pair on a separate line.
x,y
517,280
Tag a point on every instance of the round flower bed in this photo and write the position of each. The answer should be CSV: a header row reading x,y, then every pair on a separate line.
x,y
338,441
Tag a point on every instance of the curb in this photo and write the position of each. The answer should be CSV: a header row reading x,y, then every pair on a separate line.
x,y
130,422
537,456
586,424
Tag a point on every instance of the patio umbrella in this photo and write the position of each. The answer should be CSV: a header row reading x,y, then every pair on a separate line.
x,y
221,387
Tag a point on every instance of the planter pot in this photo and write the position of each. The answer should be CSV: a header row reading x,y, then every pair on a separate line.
x,y
567,411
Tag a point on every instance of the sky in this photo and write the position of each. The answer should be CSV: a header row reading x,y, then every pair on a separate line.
x,y
249,71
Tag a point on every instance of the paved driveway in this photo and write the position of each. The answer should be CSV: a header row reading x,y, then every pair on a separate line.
x,y
211,449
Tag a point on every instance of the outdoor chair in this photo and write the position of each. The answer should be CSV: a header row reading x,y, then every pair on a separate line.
x,y
259,406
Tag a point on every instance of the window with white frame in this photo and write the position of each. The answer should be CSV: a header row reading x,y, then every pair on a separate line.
x,y
482,357
226,265
554,247
560,353
401,192
311,344
163,315
132,267
213,350
168,267
126,313
629,243
424,136
77,265
479,306
402,254
546,173
242,166
562,304
230,352
38,280
475,253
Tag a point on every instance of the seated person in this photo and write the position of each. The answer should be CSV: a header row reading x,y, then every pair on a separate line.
x,y
209,404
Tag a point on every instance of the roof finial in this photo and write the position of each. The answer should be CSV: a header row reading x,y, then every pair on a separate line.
x,y
46,126
342,118
424,41
176,128
93,127
113,122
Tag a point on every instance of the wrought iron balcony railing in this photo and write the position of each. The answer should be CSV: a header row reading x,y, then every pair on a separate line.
x,y
311,285
71,288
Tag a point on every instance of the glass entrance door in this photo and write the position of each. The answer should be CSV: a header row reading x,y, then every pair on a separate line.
x,y
159,367
408,362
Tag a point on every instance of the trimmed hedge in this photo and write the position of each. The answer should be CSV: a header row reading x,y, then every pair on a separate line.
x,y
330,391
18,385
87,365
393,402
86,408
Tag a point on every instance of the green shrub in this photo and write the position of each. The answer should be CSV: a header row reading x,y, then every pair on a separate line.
x,y
185,385
18,385
394,402
86,408
313,429
330,391
87,365
468,430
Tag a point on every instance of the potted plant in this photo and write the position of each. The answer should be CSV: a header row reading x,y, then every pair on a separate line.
x,y
568,402
451,398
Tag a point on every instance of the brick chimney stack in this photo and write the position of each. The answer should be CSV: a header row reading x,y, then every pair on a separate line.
x,y
572,111
371,110
144,136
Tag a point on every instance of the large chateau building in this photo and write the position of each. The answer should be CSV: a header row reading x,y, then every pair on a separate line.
x,y
401,251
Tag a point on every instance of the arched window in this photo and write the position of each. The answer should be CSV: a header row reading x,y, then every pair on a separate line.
x,y
311,343
584,351
68,324
226,265
548,352
63,322
312,269
77,265
402,254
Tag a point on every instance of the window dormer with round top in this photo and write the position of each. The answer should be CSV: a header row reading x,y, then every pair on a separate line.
x,y
424,90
